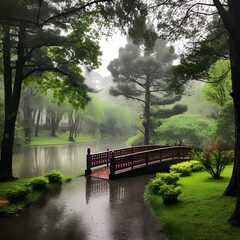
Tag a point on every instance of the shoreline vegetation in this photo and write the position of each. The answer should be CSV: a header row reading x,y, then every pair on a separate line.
x,y
201,211
45,139
10,209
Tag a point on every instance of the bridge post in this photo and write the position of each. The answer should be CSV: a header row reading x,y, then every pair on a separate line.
x,y
107,155
146,156
112,165
88,171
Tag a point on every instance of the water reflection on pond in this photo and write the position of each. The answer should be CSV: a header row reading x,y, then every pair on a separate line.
x,y
68,159
88,209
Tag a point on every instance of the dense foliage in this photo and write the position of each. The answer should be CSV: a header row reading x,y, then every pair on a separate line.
x,y
184,129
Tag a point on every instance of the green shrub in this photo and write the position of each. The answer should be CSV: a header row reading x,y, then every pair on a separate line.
x,y
38,184
155,184
196,165
196,155
54,177
17,195
183,168
168,178
158,184
170,193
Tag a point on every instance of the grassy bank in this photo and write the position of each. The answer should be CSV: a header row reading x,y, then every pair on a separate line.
x,y
14,208
61,139
202,211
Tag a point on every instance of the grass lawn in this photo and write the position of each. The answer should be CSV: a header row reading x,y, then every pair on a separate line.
x,y
14,208
61,139
202,211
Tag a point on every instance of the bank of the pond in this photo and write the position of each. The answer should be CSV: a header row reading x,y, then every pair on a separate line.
x,y
202,211
8,209
45,139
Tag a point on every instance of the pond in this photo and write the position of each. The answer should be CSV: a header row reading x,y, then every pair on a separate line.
x,y
68,159
88,209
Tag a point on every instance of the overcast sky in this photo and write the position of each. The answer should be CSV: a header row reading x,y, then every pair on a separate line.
x,y
110,51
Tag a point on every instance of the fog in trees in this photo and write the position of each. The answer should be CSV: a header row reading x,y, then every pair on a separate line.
x,y
140,74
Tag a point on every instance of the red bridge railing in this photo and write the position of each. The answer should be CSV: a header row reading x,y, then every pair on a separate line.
x,y
101,158
146,157
133,156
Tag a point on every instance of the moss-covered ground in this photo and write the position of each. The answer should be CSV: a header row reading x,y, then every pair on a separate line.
x,y
202,211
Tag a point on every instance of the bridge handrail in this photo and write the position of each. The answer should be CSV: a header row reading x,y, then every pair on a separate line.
x,y
100,158
145,157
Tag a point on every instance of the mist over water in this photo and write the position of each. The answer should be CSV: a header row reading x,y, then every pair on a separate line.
x,y
68,159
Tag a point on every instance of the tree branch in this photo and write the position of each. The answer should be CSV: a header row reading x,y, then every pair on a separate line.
x,y
72,11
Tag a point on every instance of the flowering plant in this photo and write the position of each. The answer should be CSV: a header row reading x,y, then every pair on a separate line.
x,y
216,156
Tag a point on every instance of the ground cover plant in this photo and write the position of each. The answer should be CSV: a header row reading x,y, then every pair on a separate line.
x,y
45,139
202,210
23,192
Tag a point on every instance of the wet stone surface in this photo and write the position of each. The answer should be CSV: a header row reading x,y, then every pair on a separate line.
x,y
88,209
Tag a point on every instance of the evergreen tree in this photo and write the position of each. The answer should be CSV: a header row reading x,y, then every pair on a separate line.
x,y
140,74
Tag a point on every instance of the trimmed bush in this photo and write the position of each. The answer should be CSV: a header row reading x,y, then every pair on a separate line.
x,y
155,184
196,166
170,193
17,195
168,178
38,184
183,169
54,177
165,185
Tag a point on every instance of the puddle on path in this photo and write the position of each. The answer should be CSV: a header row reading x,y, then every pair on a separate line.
x,y
88,209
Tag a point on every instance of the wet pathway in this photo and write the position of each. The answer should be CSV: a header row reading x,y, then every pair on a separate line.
x,y
87,209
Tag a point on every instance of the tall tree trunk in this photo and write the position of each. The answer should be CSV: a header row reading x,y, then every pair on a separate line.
x,y
55,120
12,98
234,185
53,124
37,123
146,122
71,127
76,126
27,121
48,119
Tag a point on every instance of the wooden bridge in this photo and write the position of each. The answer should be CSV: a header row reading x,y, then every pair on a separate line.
x,y
134,160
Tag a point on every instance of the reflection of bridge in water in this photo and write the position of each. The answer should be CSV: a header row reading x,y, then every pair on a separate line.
x,y
134,160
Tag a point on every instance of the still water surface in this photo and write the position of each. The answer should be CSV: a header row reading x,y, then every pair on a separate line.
x,y
68,159
86,208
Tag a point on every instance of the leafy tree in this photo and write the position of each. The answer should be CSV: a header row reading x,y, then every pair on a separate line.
x,y
188,19
218,88
225,122
33,42
184,129
142,77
